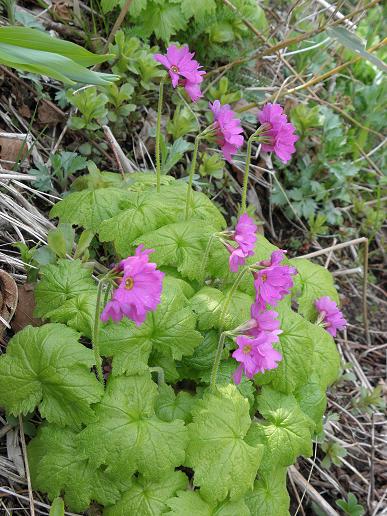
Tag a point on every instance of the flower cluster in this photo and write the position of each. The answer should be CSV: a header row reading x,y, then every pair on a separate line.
x,y
279,132
139,289
255,352
228,129
245,237
330,316
183,70
273,281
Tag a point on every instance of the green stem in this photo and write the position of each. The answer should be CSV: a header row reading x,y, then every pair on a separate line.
x,y
160,374
95,340
202,275
191,174
246,175
158,134
223,334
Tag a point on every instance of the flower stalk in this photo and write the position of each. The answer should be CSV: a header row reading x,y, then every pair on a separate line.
x,y
191,174
95,336
158,134
223,334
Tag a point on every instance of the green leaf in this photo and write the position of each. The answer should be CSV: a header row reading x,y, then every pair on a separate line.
x,y
57,507
89,208
350,506
170,406
313,401
58,465
269,495
148,497
47,367
326,359
204,354
147,211
353,42
209,302
286,428
61,282
190,502
128,436
38,40
224,464
296,347
180,245
200,9
144,211
163,19
53,65
78,313
169,330
57,242
83,243
315,282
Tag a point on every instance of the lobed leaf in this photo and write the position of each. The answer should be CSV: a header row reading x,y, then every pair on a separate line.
x,y
48,368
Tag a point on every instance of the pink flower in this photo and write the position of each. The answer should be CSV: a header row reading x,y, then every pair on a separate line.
x,y
256,355
183,69
139,289
332,317
280,132
273,282
245,236
265,321
228,129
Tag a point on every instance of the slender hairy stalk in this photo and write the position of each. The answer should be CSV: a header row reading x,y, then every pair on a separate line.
x,y
95,340
191,174
158,134
246,175
160,374
205,258
223,334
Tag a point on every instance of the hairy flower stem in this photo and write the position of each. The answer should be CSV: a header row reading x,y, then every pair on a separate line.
x,y
158,134
191,174
223,334
246,175
202,275
160,374
95,339
253,138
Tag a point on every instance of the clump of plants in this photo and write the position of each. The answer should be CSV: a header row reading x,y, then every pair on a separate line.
x,y
190,372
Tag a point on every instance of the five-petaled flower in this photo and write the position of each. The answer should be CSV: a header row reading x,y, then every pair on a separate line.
x,y
331,317
255,354
245,237
279,132
183,69
273,281
139,289
228,129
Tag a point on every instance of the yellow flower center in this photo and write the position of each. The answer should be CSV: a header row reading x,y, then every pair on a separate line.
x,y
129,283
247,350
174,69
264,277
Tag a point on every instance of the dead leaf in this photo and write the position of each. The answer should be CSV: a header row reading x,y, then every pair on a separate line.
x,y
14,451
63,9
48,115
25,309
8,299
13,148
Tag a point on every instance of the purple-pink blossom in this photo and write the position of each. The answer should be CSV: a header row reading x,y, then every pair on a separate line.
x,y
280,132
183,69
139,289
255,355
273,282
245,237
228,129
330,315
265,321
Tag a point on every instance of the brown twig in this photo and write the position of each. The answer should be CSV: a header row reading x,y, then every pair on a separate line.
x,y
311,491
117,25
24,448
